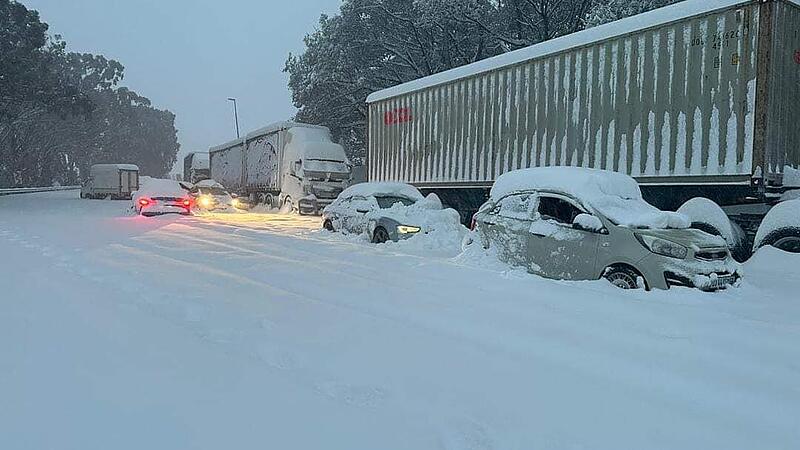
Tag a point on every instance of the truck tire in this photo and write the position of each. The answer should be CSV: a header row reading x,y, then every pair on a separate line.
x,y
269,201
328,225
786,239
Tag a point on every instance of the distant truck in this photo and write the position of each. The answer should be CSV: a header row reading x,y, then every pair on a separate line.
x,y
699,99
116,181
286,164
196,167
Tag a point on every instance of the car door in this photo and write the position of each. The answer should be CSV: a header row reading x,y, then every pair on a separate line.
x,y
555,248
356,220
506,227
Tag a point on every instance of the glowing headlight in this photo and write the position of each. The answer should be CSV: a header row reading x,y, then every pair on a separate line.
x,y
205,201
406,229
663,246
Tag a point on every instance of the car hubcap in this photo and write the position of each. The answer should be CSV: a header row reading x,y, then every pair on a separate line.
x,y
622,280
789,244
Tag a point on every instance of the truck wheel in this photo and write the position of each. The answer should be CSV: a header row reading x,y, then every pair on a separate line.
x,y
328,225
786,239
380,235
269,201
623,277
288,205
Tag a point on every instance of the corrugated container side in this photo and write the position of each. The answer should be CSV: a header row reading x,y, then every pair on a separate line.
x,y
782,146
227,167
263,162
670,104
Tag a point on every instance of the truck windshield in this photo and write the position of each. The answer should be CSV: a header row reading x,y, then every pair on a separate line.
x,y
325,166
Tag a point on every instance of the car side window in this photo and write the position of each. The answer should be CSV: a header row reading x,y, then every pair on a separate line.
x,y
360,203
558,209
518,206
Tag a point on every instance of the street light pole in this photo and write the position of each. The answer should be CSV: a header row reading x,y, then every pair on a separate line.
x,y
235,115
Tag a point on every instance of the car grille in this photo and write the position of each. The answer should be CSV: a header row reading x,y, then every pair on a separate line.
x,y
711,255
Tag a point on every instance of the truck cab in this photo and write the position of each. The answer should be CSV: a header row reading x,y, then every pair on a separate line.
x,y
316,170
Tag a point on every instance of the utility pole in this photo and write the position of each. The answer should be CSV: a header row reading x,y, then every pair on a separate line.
x,y
235,115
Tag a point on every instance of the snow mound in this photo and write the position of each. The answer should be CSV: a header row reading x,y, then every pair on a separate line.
x,y
615,195
782,215
383,188
444,231
701,209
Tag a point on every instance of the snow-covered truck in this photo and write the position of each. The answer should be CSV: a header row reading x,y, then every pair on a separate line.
x,y
286,164
698,99
196,167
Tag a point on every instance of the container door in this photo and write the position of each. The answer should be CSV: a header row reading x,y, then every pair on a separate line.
x,y
124,182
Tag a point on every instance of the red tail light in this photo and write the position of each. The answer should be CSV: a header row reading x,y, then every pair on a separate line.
x,y
144,201
186,202
473,224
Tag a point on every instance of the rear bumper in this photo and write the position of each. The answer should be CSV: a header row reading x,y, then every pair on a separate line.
x,y
162,210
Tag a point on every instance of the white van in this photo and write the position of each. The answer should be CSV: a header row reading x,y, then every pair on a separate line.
x,y
111,180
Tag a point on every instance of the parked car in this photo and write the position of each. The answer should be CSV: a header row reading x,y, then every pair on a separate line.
x,y
208,195
386,212
115,181
583,224
159,196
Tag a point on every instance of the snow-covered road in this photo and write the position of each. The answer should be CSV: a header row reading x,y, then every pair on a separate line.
x,y
260,331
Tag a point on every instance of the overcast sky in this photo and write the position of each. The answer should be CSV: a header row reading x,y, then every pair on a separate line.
x,y
189,56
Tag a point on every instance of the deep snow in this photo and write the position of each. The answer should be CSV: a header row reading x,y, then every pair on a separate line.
x,y
261,331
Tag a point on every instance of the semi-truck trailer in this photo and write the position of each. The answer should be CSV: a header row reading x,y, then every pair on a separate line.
x,y
286,164
196,167
698,99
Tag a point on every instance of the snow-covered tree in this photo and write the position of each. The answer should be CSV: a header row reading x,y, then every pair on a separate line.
x,y
611,10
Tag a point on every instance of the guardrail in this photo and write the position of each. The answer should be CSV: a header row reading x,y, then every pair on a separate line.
x,y
13,191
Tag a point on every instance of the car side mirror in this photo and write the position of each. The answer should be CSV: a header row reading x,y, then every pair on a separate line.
x,y
588,222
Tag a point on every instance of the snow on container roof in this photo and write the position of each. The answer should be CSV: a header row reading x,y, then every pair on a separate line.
x,y
116,166
277,126
226,145
654,18
382,188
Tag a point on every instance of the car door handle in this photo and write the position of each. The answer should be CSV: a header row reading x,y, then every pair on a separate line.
x,y
362,211
490,223
539,235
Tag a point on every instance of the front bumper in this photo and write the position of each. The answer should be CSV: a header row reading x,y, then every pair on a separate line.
x,y
661,272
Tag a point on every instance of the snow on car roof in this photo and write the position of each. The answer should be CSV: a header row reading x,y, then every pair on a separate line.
x,y
615,195
160,187
577,181
383,188
654,18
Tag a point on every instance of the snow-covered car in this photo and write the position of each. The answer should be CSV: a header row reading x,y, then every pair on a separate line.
x,y
160,196
208,195
387,212
583,224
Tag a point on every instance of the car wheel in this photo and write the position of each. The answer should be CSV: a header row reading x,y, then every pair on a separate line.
x,y
328,225
786,239
623,277
380,235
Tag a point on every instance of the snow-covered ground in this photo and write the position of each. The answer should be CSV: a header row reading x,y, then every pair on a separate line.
x,y
260,331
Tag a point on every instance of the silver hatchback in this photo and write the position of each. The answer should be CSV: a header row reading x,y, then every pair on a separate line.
x,y
557,234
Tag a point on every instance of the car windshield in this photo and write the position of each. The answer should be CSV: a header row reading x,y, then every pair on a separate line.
x,y
637,213
387,201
